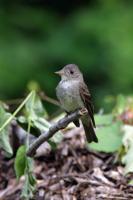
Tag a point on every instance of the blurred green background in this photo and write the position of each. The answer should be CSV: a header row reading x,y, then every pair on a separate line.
x,y
38,37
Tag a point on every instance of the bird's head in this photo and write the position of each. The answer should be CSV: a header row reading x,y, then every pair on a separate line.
x,y
70,72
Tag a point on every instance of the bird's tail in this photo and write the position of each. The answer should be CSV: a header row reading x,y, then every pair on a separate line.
x,y
89,131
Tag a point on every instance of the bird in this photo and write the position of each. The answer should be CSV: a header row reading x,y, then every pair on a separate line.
x,y
73,94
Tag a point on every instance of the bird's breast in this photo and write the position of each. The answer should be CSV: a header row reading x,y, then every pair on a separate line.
x,y
69,96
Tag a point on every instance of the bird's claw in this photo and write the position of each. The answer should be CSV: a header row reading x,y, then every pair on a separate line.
x,y
83,111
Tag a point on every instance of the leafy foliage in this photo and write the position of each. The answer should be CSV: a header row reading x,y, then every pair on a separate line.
x,y
115,131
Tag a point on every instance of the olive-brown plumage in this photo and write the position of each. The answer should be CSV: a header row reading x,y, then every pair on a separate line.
x,y
73,94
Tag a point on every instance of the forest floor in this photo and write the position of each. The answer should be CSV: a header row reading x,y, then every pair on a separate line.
x,y
71,172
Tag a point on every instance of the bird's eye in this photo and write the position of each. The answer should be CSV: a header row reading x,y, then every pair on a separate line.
x,y
71,72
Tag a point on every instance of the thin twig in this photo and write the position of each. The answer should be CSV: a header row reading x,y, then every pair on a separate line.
x,y
14,101
44,97
61,124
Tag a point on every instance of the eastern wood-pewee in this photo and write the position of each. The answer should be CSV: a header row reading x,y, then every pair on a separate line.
x,y
73,94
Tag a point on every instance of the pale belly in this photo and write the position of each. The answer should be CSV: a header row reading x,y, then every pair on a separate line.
x,y
68,95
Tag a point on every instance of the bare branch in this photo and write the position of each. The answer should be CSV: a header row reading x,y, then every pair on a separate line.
x,y
61,124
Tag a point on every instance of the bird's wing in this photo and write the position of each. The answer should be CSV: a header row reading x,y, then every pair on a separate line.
x,y
86,98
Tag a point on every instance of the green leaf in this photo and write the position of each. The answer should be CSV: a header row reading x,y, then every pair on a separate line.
x,y
5,142
41,123
4,134
30,180
20,161
35,106
109,137
105,119
128,144
130,182
36,113
29,186
128,160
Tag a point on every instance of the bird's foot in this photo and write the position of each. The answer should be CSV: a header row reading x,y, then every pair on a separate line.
x,y
83,111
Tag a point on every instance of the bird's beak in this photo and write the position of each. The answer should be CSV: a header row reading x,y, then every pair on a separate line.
x,y
60,73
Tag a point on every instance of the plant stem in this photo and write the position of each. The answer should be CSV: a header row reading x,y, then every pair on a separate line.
x,y
29,119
